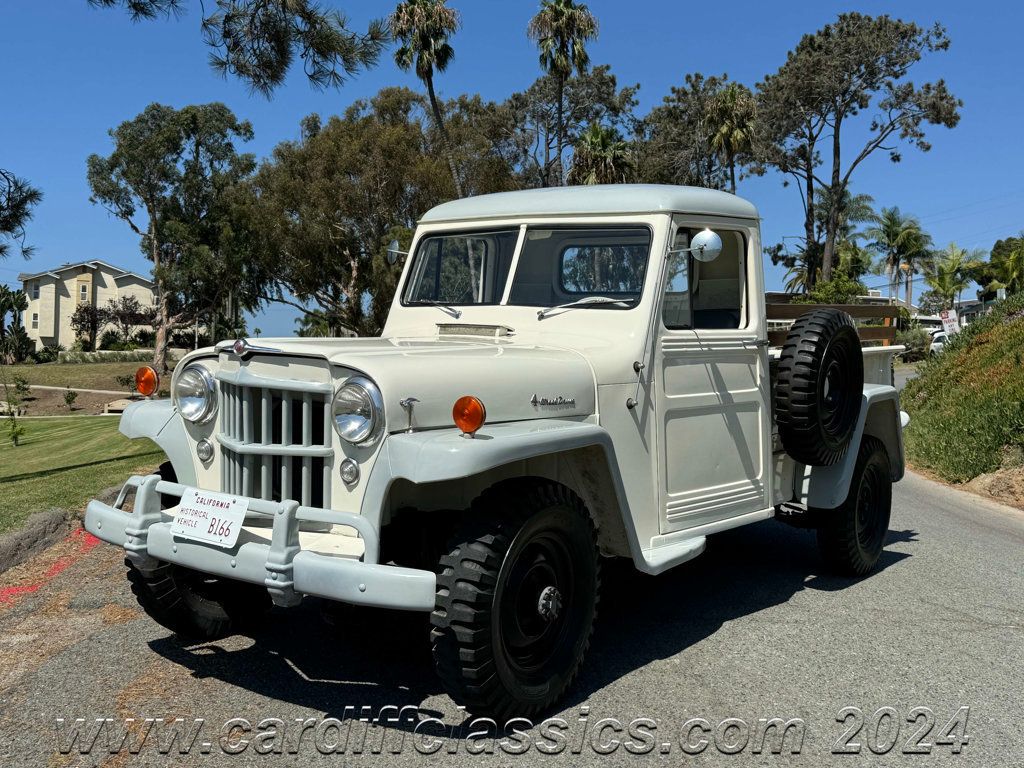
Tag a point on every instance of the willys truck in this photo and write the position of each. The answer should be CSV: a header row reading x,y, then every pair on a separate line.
x,y
566,375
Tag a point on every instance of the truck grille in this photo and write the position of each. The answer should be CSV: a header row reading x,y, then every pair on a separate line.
x,y
284,444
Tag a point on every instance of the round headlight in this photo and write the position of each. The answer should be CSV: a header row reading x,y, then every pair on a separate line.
x,y
358,410
195,394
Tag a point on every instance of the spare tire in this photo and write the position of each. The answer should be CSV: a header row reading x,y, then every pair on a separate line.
x,y
820,386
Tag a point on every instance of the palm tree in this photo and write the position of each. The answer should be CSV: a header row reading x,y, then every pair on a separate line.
x,y
950,271
897,237
5,307
1009,268
561,30
423,28
797,279
601,157
732,114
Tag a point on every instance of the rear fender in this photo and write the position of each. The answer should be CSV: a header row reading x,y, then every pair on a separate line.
x,y
881,418
159,421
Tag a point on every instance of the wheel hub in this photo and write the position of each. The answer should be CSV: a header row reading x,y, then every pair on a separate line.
x,y
549,604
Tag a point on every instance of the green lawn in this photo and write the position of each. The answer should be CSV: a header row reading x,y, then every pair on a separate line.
x,y
84,375
64,462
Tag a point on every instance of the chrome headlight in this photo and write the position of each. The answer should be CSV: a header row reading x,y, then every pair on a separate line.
x,y
358,410
195,394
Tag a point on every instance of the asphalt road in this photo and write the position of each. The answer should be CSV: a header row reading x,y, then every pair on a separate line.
x,y
902,375
750,630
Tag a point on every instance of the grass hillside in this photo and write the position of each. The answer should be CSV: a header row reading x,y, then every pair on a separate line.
x,y
967,404
64,462
84,375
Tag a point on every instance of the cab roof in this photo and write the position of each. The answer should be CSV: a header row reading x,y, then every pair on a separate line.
x,y
594,199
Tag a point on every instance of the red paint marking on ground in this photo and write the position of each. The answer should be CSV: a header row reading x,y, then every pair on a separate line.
x,y
7,594
85,543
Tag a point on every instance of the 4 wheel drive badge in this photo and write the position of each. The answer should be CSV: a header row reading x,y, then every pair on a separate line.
x,y
552,401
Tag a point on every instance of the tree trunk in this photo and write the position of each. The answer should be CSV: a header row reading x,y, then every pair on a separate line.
x,y
910,287
160,344
810,241
832,223
732,174
439,122
560,128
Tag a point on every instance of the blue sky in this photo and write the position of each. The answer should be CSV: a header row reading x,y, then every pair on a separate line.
x,y
72,72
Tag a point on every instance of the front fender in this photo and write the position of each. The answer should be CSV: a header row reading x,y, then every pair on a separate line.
x,y
881,418
433,456
158,421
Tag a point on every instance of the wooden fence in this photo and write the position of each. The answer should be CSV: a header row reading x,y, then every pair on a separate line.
x,y
885,333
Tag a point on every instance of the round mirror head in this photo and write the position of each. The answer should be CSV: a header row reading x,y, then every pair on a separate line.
x,y
706,245
393,252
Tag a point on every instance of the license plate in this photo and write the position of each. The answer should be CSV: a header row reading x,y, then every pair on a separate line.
x,y
213,518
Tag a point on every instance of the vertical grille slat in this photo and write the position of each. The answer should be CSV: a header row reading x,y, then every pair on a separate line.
x,y
307,418
279,419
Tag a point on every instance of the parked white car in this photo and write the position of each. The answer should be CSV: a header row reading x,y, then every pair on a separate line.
x,y
938,342
566,375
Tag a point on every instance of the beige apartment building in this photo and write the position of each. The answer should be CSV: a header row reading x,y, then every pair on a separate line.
x,y
54,294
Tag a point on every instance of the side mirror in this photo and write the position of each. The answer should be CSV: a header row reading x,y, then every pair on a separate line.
x,y
394,252
706,245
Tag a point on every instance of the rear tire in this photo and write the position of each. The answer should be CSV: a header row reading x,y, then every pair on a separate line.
x,y
191,604
516,599
851,537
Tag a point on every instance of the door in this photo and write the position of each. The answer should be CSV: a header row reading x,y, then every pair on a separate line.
x,y
712,388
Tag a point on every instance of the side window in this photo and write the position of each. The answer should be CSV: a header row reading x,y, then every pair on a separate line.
x,y
35,290
675,309
35,321
706,295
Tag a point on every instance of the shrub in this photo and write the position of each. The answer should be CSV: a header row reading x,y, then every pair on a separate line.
x,y
145,338
111,339
839,290
48,354
69,397
915,339
108,357
967,404
127,381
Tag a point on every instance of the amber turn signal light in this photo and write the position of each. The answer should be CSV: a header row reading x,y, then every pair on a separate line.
x,y
147,381
469,414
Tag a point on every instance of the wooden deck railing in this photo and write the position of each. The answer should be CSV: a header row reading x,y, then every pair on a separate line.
x,y
885,333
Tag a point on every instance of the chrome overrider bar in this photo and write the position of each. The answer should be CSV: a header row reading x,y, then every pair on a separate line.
x,y
287,571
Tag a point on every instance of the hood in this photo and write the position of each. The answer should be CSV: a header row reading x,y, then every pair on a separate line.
x,y
515,380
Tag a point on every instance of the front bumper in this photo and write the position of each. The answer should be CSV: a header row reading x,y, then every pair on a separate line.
x,y
278,562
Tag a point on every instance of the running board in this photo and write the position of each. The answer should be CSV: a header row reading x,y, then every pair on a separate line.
x,y
658,559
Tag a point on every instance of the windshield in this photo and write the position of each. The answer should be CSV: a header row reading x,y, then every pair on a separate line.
x,y
461,268
558,265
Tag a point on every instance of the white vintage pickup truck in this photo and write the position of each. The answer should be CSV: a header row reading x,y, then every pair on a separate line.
x,y
566,375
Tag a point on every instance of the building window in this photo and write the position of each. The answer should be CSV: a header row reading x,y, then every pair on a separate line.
x,y
35,290
35,321
83,292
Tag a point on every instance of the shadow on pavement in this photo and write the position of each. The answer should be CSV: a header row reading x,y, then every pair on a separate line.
x,y
384,659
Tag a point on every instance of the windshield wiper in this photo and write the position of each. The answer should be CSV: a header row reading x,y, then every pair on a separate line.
x,y
585,301
440,305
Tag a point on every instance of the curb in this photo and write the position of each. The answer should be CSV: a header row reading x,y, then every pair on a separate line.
x,y
42,530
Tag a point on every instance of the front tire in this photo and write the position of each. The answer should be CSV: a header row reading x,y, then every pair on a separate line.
x,y
851,537
191,604
516,599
